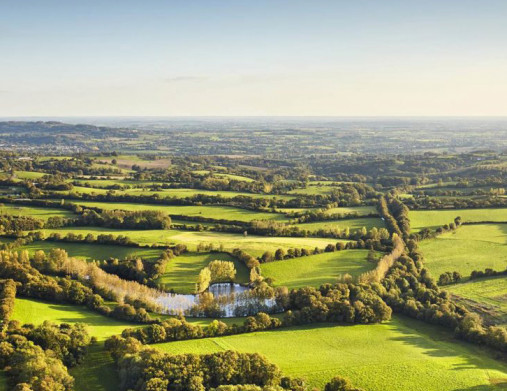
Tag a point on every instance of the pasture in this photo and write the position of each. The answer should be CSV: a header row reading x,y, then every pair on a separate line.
x,y
470,247
312,190
352,224
28,175
223,175
360,210
401,355
90,252
255,245
315,270
182,271
215,212
433,219
164,193
489,293
34,211
37,311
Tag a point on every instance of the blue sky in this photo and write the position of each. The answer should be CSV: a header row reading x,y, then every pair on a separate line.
x,y
350,58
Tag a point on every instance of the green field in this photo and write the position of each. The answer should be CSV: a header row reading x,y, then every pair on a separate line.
x,y
360,210
36,311
90,252
216,212
256,245
222,175
178,193
489,293
314,190
433,219
98,372
34,211
28,174
470,247
182,271
402,355
315,270
352,224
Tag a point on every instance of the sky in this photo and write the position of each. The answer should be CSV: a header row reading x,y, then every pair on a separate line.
x,y
266,58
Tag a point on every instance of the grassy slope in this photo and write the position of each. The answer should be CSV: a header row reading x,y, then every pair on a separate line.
x,y
353,224
491,292
32,211
256,245
182,271
470,247
28,174
179,193
436,218
316,270
91,252
35,311
403,355
98,372
361,210
217,212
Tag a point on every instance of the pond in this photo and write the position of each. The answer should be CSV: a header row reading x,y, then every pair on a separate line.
x,y
232,299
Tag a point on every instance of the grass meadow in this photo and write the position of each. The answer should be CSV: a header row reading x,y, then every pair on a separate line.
x,y
433,219
90,252
315,270
470,247
216,212
36,311
489,292
178,193
34,211
401,355
352,224
255,245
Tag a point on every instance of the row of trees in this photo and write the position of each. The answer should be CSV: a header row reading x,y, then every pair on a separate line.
x,y
143,219
426,233
7,299
30,282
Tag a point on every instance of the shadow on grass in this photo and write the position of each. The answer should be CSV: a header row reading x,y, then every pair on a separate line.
x,y
439,342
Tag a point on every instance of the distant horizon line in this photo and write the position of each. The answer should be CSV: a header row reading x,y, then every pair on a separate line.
x,y
7,117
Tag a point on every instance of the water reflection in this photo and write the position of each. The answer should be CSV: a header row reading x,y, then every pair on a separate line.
x,y
232,299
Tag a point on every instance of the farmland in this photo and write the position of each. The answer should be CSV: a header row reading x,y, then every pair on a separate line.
x,y
470,247
490,293
33,211
176,193
315,270
352,224
436,218
256,245
92,252
216,212
400,355
322,294
35,311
